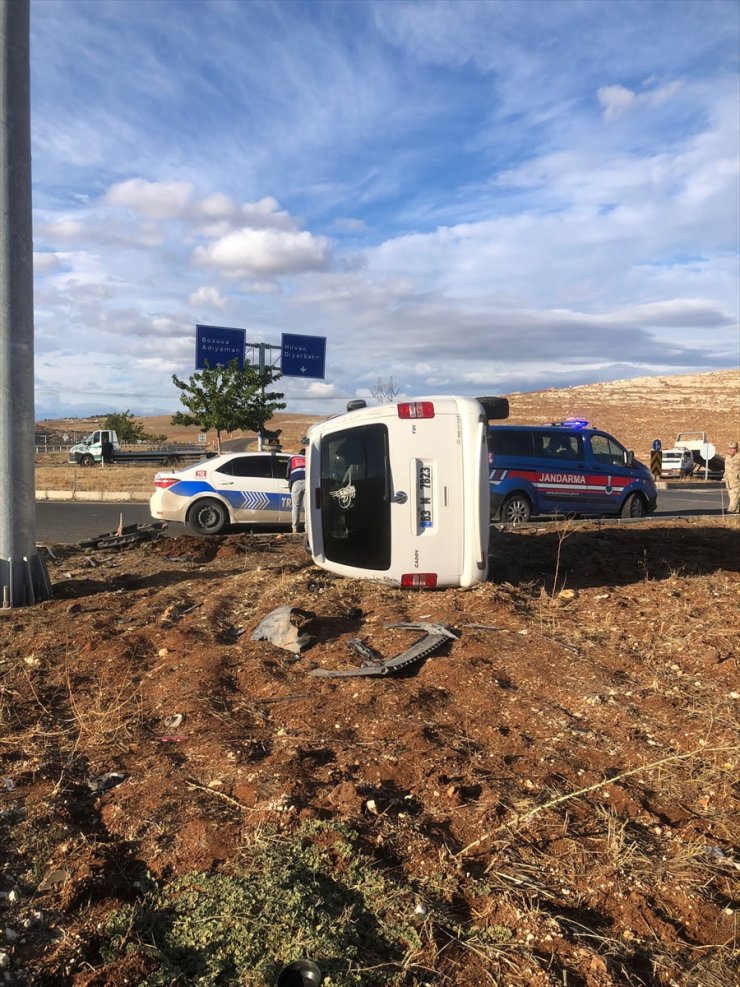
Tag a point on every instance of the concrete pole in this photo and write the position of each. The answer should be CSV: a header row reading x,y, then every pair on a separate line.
x,y
23,577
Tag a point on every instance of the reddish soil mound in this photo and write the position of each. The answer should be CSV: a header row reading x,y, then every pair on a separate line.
x,y
549,799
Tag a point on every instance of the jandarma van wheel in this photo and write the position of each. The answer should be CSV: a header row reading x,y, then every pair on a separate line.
x,y
516,509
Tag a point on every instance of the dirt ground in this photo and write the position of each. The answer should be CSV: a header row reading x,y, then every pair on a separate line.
x,y
549,799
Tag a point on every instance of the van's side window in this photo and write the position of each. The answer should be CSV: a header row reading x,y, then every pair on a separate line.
x,y
558,445
607,451
504,442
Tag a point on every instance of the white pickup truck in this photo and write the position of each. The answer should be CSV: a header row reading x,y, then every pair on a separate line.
x,y
90,451
692,452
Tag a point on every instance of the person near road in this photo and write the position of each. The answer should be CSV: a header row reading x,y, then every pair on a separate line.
x,y
732,478
106,451
297,484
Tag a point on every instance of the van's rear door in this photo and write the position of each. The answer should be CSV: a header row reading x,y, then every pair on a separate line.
x,y
428,505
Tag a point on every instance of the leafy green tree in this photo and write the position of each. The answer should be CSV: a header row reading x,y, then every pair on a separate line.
x,y
227,399
128,429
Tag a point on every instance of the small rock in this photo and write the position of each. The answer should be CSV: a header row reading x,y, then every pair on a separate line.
x,y
4,961
10,935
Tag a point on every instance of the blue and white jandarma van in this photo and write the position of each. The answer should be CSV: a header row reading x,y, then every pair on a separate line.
x,y
565,468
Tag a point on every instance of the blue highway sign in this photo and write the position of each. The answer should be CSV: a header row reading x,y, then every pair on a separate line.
x,y
218,345
303,356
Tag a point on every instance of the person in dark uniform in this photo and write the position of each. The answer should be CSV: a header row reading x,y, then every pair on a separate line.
x,y
106,450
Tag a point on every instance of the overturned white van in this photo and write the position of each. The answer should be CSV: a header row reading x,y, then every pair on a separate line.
x,y
399,492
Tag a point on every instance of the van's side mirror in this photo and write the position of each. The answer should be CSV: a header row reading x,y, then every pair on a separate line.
x,y
629,458
495,407
356,403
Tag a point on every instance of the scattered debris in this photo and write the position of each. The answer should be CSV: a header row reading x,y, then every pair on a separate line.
x,y
54,879
102,783
130,534
370,656
435,635
282,627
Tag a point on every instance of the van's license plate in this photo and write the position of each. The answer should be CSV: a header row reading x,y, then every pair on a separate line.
x,y
426,508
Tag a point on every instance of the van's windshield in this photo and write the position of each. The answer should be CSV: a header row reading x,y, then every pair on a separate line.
x,y
355,503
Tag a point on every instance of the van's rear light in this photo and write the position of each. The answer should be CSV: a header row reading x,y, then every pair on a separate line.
x,y
163,482
416,409
418,580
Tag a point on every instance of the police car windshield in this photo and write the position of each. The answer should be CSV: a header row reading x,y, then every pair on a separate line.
x,y
355,508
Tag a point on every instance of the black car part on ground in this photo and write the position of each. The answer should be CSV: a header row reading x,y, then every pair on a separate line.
x,y
435,635
129,534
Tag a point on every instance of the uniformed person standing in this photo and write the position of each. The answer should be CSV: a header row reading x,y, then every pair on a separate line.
x,y
297,484
732,478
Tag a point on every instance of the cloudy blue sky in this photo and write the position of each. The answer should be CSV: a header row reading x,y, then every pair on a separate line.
x,y
468,197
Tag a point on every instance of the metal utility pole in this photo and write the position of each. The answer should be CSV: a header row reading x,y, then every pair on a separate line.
x,y
23,577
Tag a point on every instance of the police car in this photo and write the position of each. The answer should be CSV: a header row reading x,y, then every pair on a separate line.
x,y
565,468
237,488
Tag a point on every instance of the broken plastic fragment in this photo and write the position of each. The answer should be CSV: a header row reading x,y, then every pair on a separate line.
x,y
435,635
282,627
101,783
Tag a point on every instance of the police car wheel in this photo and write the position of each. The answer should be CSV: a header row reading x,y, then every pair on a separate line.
x,y
634,506
516,509
207,517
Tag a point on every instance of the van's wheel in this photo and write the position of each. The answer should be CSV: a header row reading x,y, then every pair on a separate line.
x,y
87,460
516,509
634,506
207,517
171,460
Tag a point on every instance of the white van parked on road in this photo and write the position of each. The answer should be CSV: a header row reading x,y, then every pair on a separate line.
x,y
399,492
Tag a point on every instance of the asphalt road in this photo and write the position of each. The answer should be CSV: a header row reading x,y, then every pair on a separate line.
x,y
66,523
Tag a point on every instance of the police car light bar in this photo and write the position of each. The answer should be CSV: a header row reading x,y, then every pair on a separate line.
x,y
571,423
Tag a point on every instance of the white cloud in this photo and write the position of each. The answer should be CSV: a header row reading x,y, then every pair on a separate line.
x,y
206,296
158,200
265,253
45,263
617,100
